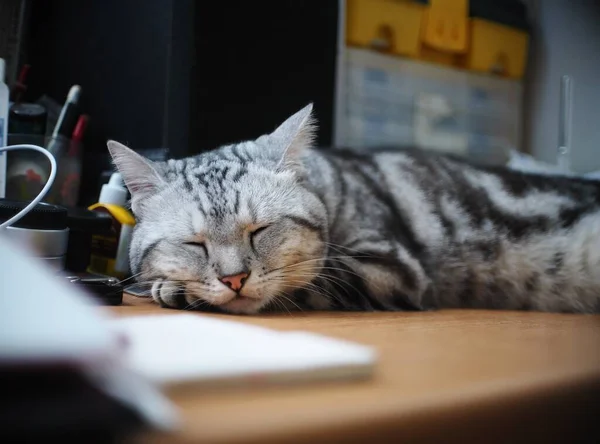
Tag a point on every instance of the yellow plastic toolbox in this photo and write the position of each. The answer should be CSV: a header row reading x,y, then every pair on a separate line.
x,y
437,31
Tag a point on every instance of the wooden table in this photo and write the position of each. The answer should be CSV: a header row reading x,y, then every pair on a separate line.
x,y
448,376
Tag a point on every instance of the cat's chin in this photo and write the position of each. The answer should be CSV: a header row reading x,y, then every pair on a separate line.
x,y
242,305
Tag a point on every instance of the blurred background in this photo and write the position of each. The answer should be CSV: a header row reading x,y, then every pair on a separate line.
x,y
477,78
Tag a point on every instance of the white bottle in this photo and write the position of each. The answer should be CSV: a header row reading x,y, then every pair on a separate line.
x,y
4,97
110,252
114,192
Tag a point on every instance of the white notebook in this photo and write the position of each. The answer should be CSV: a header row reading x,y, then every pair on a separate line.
x,y
175,349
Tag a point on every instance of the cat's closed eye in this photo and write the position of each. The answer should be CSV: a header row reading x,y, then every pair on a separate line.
x,y
199,245
254,234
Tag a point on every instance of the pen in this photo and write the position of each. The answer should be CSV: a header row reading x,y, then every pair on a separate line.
x,y
20,85
77,136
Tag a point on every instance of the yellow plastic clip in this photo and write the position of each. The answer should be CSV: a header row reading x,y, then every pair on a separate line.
x,y
446,25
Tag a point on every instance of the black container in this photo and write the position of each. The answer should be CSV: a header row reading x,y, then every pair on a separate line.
x,y
83,224
43,230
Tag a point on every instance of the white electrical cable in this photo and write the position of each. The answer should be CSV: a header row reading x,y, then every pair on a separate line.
x,y
42,193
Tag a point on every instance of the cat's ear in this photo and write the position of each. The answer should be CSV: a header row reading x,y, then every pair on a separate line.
x,y
293,136
139,174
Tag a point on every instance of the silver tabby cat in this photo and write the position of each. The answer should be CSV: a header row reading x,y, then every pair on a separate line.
x,y
273,224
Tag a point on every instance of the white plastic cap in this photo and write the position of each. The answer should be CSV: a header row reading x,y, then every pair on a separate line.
x,y
2,70
114,192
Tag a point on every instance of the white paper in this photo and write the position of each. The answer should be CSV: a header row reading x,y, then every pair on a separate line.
x,y
170,349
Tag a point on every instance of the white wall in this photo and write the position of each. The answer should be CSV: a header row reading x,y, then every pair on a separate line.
x,y
566,40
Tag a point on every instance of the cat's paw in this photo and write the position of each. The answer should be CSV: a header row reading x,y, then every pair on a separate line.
x,y
168,294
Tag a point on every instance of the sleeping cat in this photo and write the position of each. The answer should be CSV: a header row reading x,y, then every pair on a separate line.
x,y
273,224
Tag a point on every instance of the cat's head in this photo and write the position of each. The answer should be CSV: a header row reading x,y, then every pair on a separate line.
x,y
236,228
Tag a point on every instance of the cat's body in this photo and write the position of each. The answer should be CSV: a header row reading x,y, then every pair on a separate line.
x,y
274,224
433,232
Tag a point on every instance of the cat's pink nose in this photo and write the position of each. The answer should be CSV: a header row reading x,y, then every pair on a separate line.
x,y
235,281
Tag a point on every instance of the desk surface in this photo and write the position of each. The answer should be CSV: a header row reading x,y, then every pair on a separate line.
x,y
447,376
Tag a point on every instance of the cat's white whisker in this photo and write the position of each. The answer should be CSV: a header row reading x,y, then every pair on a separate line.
x,y
131,277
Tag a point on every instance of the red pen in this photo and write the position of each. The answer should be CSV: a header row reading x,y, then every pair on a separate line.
x,y
78,133
20,86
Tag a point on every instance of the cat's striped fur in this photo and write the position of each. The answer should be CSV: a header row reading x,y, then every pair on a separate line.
x,y
387,230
